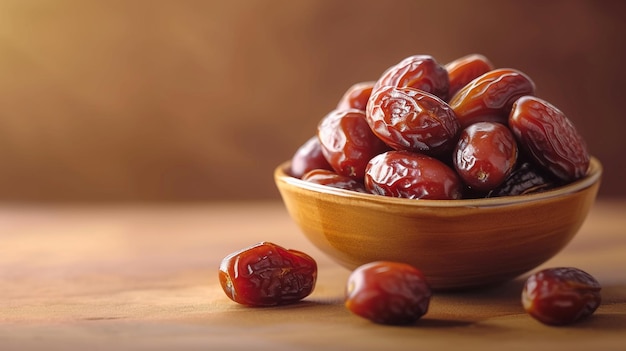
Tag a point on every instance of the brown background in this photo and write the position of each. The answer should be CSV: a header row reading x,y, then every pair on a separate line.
x,y
200,100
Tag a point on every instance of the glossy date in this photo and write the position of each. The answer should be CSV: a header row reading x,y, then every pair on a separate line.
x,y
413,120
549,137
561,296
485,155
489,97
421,72
267,274
413,176
465,69
388,293
332,179
347,142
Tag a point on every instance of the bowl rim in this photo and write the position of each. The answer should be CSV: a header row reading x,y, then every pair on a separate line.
x,y
593,175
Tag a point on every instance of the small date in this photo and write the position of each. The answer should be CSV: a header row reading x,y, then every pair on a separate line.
x,y
267,274
388,292
561,296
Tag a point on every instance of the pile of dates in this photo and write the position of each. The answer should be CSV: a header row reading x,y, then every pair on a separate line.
x,y
425,130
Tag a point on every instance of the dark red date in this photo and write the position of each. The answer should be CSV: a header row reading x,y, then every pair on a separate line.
x,y
526,178
561,296
388,293
485,155
308,157
332,179
549,137
412,175
348,143
420,72
465,69
489,97
266,274
413,120
356,96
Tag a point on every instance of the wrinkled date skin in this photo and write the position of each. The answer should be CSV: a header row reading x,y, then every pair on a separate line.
x,y
388,293
526,178
561,296
485,155
356,96
266,274
308,157
549,137
489,97
348,143
420,72
413,120
465,69
411,175
332,179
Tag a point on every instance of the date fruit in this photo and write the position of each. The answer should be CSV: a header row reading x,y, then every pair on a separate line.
x,y
388,292
465,69
411,119
489,97
549,137
308,157
332,179
561,296
412,175
420,72
267,274
347,142
356,96
526,178
485,155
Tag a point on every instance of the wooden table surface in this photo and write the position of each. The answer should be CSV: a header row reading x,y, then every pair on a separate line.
x,y
145,278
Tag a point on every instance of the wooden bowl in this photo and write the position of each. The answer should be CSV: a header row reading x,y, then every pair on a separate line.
x,y
456,243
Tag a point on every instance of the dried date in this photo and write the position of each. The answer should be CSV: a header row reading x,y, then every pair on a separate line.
x,y
485,155
413,176
267,274
348,143
561,296
490,97
332,179
420,72
388,293
413,120
465,69
549,137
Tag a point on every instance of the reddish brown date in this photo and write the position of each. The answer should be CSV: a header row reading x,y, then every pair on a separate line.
x,y
332,179
412,175
561,296
526,178
485,155
308,157
465,69
549,137
413,120
348,143
356,96
420,72
388,293
266,274
489,97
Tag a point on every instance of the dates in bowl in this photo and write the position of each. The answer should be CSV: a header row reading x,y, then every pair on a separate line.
x,y
468,127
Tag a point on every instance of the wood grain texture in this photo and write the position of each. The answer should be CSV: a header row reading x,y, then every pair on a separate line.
x,y
130,278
